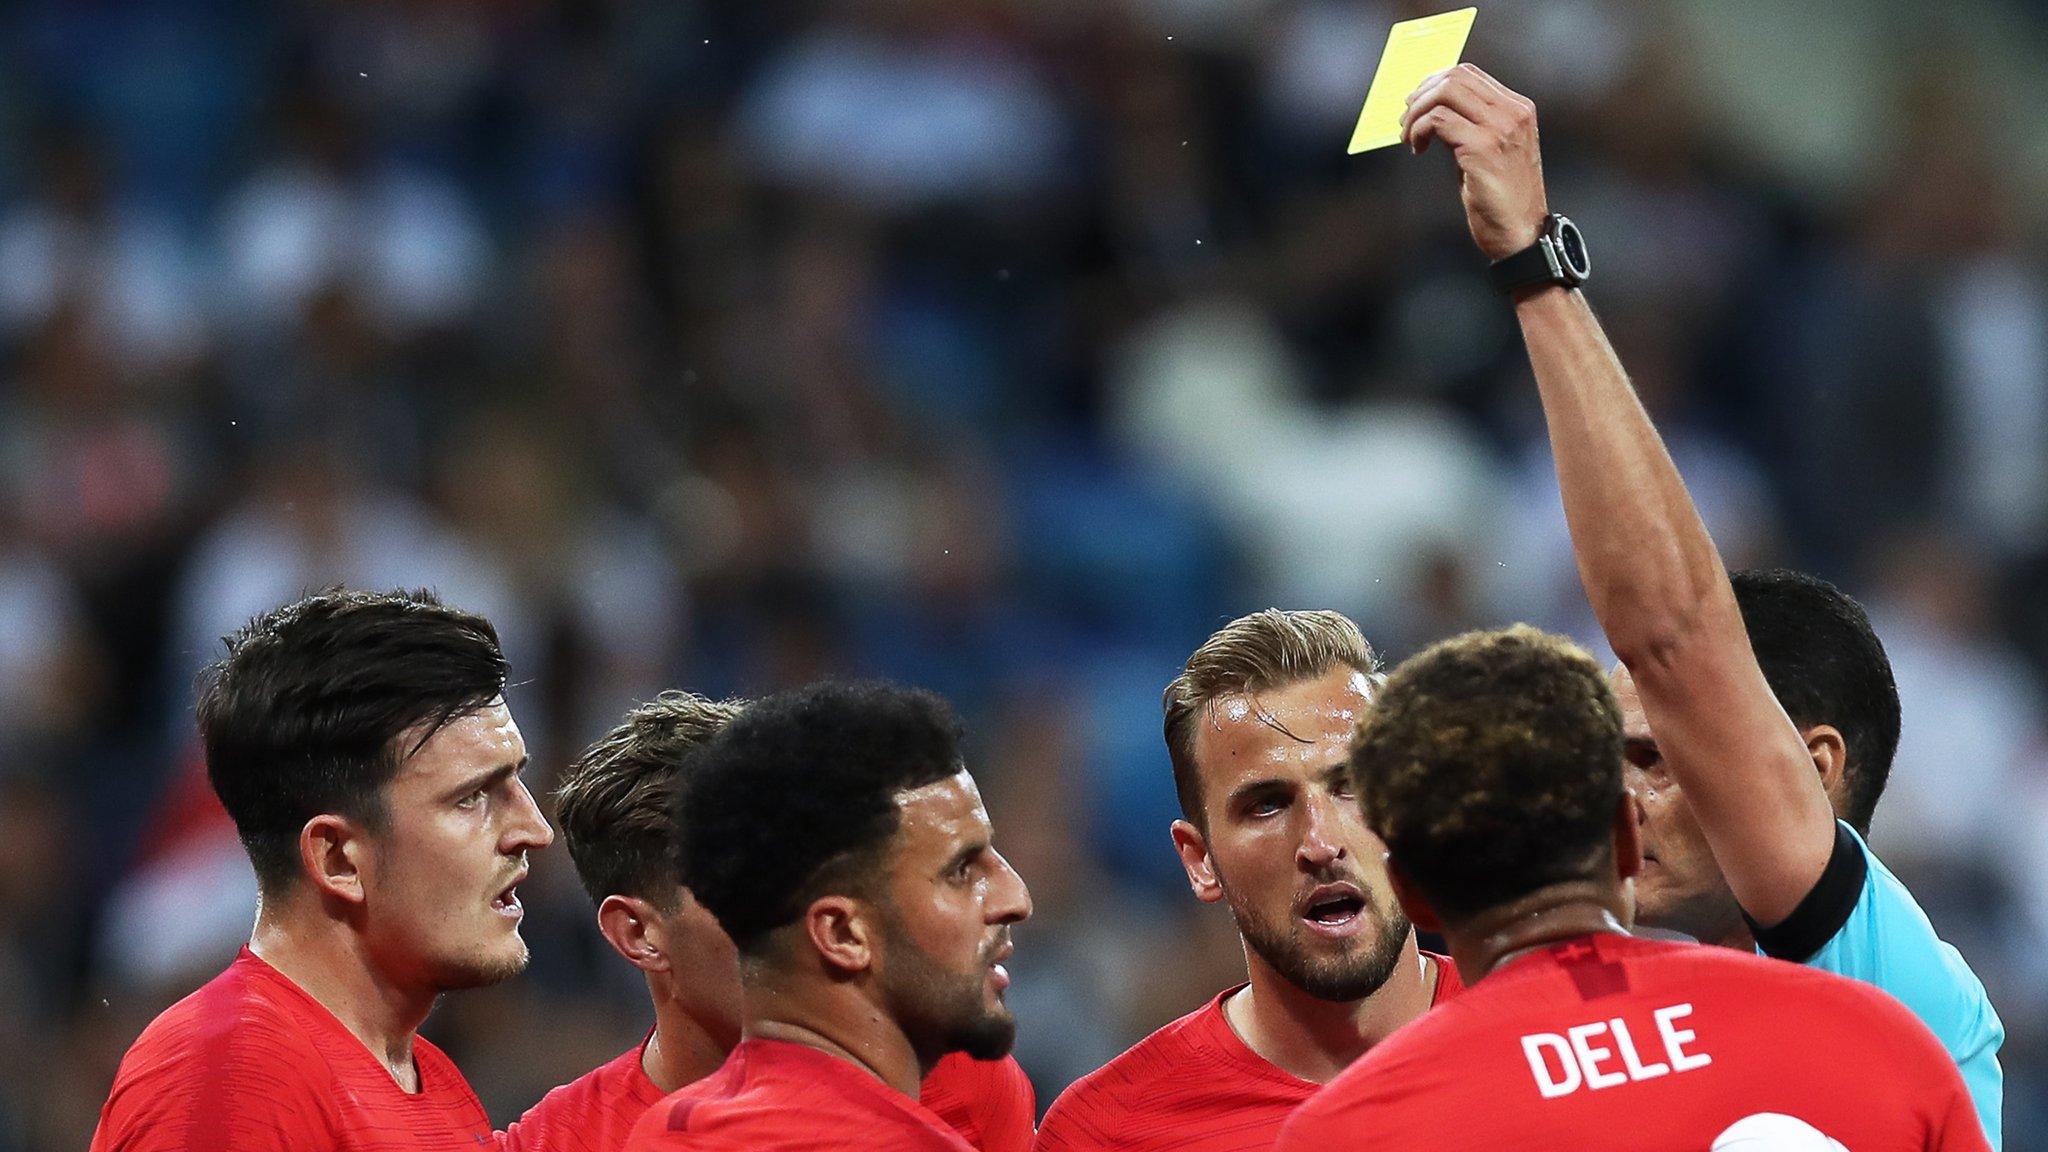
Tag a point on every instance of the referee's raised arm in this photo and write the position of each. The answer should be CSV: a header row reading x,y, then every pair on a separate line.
x,y
1649,568
1741,809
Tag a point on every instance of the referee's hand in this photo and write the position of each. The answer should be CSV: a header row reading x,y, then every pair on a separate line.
x,y
1491,131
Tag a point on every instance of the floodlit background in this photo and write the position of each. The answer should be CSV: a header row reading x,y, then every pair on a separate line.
x,y
1005,347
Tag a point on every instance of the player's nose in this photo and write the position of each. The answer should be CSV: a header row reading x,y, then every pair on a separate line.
x,y
1009,898
1320,845
529,829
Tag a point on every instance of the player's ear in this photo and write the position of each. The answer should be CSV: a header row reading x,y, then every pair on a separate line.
x,y
1628,835
1830,754
634,928
1193,848
842,931
332,852
1419,912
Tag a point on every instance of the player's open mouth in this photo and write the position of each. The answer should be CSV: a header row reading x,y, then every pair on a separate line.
x,y
998,974
1333,909
506,903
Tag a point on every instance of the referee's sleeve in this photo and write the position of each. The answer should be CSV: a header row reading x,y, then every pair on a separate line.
x,y
1824,909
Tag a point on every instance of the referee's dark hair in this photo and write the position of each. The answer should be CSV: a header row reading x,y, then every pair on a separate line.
x,y
1491,767
796,799
1826,666
317,704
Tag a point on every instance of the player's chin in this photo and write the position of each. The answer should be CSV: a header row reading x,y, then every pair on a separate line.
x,y
483,967
505,959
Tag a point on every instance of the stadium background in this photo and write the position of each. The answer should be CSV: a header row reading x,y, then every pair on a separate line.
x,y
1001,346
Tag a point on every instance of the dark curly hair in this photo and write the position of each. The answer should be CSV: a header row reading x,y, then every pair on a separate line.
x,y
613,804
796,798
1826,666
1491,767
306,712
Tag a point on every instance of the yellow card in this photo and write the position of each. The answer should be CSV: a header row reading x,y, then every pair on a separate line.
x,y
1415,49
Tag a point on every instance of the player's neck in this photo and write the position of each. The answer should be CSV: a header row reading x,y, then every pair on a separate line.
x,y
1315,1039
327,962
682,1050
1546,916
837,1019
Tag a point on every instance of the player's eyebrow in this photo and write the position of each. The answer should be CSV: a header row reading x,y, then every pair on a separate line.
x,y
486,779
966,853
1255,789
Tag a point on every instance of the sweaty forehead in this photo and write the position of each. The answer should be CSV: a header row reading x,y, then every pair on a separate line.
x,y
1304,726
942,813
484,739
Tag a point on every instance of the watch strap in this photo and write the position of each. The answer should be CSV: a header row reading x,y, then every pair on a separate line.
x,y
1532,265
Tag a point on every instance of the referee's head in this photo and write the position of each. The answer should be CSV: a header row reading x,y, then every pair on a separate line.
x,y
1491,767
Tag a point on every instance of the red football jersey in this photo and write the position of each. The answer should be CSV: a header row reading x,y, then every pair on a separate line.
x,y
593,1113
990,1103
1191,1085
775,1096
252,1063
1607,1042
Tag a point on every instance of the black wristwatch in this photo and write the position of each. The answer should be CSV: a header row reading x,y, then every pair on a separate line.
x,y
1557,257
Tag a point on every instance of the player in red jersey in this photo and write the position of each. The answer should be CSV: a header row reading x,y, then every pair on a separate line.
x,y
613,809
1256,727
361,743
1491,766
837,838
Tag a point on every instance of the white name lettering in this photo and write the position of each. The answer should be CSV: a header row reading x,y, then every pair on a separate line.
x,y
1637,1070
1580,1057
1567,1079
1590,1056
1681,1060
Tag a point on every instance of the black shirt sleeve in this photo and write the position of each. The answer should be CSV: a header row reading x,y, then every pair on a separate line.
x,y
1823,911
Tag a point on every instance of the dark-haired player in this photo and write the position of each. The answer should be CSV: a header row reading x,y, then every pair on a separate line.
x,y
361,743
1256,727
1491,766
1766,795
613,809
837,837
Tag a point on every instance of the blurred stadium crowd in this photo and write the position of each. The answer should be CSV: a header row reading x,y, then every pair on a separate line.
x,y
1005,347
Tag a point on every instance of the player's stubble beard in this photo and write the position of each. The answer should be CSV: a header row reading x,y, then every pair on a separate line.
x,y
479,962
1354,974
479,971
943,1011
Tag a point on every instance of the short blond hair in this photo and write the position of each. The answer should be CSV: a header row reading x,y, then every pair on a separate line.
x,y
613,803
1270,648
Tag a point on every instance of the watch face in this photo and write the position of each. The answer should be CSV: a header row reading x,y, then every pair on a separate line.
x,y
1572,247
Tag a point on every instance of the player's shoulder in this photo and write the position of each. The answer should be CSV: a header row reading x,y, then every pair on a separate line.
x,y
234,1044
963,1075
732,1110
240,1017
1164,1056
619,1085
1168,1085
990,1103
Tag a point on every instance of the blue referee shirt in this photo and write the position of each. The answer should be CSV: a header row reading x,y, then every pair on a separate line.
x,y
1859,921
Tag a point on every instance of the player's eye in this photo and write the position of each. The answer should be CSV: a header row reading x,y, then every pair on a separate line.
x,y
473,799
